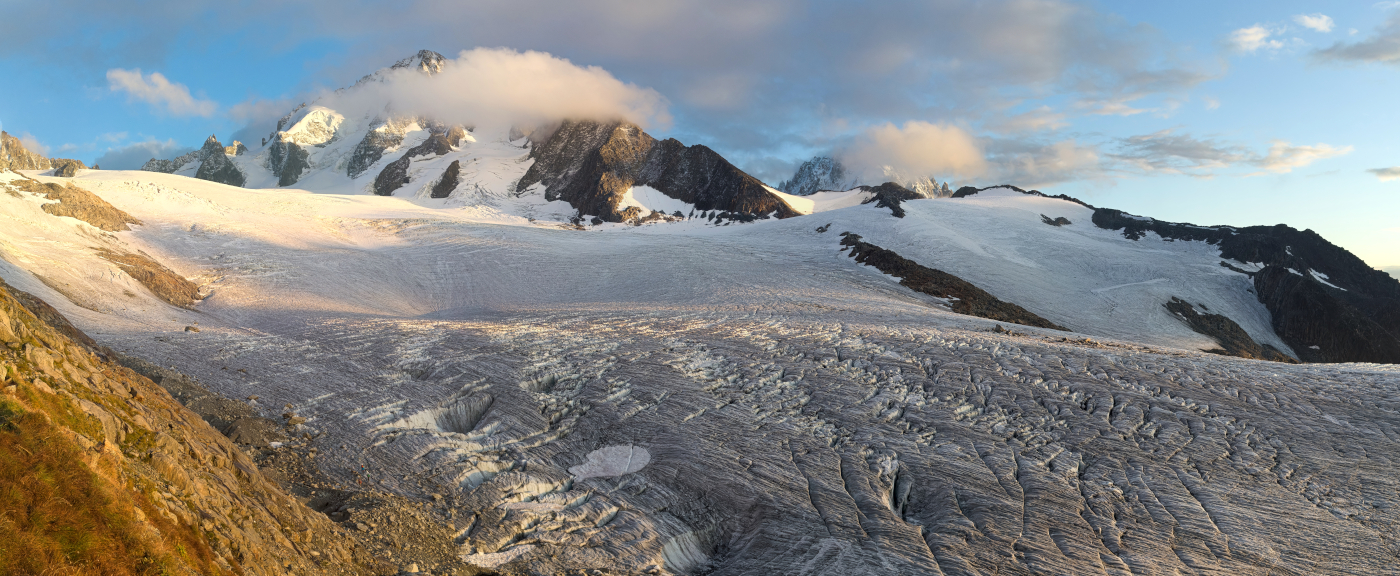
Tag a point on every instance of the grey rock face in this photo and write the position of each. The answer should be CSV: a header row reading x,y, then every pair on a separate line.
x,y
66,168
388,134
395,174
14,156
592,165
216,167
288,161
819,173
449,181
1233,340
392,177
425,61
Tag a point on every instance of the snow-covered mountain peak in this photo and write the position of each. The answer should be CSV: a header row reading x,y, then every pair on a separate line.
x,y
425,61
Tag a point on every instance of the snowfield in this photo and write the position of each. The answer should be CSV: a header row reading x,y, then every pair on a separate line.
x,y
689,398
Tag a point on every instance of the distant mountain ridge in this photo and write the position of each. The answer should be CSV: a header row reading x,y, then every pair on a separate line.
x,y
592,165
15,156
1325,303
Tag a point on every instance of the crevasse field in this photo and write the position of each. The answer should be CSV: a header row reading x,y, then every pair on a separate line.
x,y
691,398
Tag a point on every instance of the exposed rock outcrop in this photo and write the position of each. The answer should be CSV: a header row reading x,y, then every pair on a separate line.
x,y
449,181
890,195
1325,303
214,164
161,281
395,175
591,165
14,156
963,297
1233,340
386,135
819,173
66,168
216,167
78,203
139,481
288,161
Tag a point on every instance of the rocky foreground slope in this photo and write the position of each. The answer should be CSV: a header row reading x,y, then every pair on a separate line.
x,y
149,487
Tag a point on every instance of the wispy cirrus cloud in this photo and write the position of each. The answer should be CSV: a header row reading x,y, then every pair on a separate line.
x,y
1170,152
164,96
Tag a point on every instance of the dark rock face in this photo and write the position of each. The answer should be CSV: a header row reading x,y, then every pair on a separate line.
x,y
214,164
395,174
1234,341
288,161
1324,324
819,173
591,165
389,134
1056,221
966,191
392,177
449,181
14,156
1358,320
65,168
890,195
966,298
1355,319
216,167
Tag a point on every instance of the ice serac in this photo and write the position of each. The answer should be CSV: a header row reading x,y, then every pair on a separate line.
x,y
592,165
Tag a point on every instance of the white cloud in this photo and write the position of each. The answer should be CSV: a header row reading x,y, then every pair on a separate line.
x,y
1211,103
1284,157
917,148
1036,120
497,85
1039,166
1381,47
155,89
32,144
1319,22
1253,38
1386,174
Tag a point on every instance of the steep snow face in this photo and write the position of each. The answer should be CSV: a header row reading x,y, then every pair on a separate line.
x,y
316,126
650,200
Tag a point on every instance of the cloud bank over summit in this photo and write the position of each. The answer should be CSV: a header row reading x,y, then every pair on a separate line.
x,y
505,87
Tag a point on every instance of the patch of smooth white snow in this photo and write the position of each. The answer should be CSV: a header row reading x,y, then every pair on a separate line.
x,y
612,461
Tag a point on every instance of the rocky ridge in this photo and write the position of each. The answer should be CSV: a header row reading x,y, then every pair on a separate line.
x,y
962,296
14,156
591,165
214,164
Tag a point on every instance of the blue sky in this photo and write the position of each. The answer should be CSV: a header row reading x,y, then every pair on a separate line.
x,y
1209,112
